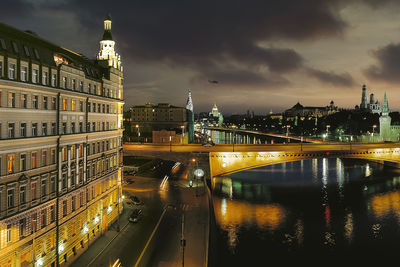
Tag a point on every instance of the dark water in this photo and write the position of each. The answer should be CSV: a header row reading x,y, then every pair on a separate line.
x,y
321,212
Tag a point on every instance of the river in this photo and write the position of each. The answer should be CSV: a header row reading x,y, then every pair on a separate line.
x,y
320,212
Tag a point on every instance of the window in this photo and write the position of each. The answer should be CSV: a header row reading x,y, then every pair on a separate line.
x,y
53,103
52,214
64,181
88,107
64,208
11,130
72,127
44,217
65,104
34,129
44,129
73,84
108,108
11,100
73,203
73,106
72,151
36,53
22,194
98,108
15,47
64,153
53,156
65,82
35,101
33,190
81,127
53,128
44,158
89,88
24,73
43,188
11,71
34,222
10,198
81,86
64,128
94,107
35,76
10,164
93,126
81,106
94,89
8,233
1,68
22,162
45,100
45,78
54,80
26,51
34,160
24,99
22,225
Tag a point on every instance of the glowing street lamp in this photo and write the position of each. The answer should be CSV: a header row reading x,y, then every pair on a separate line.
x,y
138,131
373,129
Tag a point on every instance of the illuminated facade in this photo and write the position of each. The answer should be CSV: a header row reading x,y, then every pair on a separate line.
x,y
60,150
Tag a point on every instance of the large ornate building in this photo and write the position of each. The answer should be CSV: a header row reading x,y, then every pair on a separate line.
x,y
60,148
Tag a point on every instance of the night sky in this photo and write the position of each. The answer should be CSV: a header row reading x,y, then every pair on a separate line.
x,y
265,54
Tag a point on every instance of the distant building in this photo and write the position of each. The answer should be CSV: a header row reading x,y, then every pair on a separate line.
x,y
387,132
371,106
299,110
213,118
190,127
148,118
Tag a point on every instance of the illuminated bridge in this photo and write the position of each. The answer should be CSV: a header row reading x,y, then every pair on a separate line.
x,y
220,160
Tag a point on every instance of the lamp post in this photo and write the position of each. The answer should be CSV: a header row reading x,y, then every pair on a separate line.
x,y
138,131
183,134
170,140
373,129
287,132
327,130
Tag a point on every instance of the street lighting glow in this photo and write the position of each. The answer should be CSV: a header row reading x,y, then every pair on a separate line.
x,y
39,262
85,229
109,209
61,247
96,219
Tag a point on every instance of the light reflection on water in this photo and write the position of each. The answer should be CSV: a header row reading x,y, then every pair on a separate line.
x,y
329,205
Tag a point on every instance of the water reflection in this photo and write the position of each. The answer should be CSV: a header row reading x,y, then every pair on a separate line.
x,y
332,205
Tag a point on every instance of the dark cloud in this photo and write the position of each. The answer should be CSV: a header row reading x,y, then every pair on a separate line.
x,y
388,65
340,80
189,32
14,9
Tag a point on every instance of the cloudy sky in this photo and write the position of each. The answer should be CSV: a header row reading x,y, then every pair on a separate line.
x,y
265,54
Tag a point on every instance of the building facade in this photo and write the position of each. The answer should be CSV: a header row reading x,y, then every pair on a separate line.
x,y
60,149
149,117
301,111
373,105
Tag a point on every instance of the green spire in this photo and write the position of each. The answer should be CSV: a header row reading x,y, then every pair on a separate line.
x,y
385,108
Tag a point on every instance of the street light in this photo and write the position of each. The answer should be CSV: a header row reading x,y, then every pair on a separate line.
x,y
170,140
183,134
327,130
373,129
287,132
138,131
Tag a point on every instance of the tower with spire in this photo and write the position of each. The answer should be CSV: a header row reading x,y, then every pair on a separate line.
x,y
385,121
189,108
107,47
364,103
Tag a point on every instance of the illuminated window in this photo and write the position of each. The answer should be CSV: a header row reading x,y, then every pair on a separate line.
x,y
11,100
53,156
11,71
34,160
72,152
44,158
24,98
11,164
24,73
73,105
35,76
65,104
64,154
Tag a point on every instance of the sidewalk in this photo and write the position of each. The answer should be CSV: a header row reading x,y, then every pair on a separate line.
x,y
103,241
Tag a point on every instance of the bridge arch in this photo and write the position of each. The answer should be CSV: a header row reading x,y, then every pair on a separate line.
x,y
224,163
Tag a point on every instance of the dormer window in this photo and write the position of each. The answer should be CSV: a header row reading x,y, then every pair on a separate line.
x,y
15,47
26,51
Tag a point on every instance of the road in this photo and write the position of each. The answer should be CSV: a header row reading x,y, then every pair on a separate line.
x,y
155,239
293,147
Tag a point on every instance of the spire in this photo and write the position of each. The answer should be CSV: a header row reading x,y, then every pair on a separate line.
x,y
107,29
385,108
189,103
107,47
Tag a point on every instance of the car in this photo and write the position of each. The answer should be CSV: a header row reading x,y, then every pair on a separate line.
x,y
135,215
135,200
208,144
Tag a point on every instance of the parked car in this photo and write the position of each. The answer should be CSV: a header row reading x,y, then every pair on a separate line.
x,y
135,200
136,215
